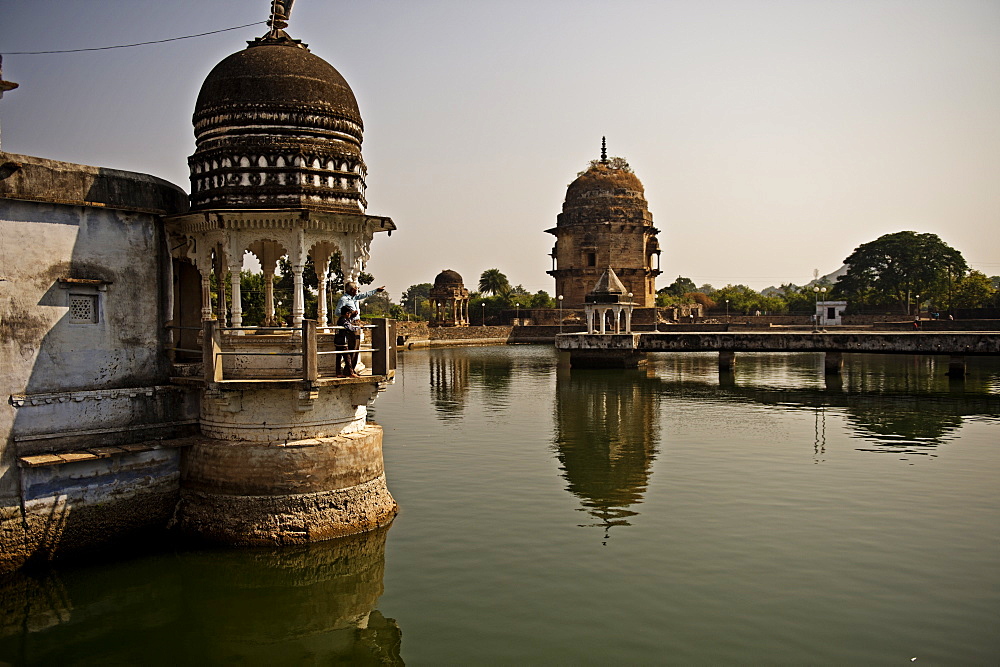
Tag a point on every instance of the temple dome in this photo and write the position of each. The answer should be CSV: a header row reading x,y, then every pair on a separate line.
x,y
601,178
275,74
448,278
277,127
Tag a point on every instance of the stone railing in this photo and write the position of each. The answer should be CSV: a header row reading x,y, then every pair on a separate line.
x,y
260,353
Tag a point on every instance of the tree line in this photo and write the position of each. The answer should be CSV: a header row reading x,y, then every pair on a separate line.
x,y
896,273
900,273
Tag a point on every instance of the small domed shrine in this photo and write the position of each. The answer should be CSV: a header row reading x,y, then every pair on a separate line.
x,y
449,300
605,223
277,171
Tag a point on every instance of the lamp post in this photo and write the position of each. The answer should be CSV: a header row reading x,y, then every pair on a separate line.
x,y
517,313
560,298
817,291
483,319
628,314
917,304
727,310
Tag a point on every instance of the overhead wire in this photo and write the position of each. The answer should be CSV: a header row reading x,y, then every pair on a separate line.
x,y
125,46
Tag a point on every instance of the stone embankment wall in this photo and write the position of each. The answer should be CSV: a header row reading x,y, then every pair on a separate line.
x,y
941,325
411,335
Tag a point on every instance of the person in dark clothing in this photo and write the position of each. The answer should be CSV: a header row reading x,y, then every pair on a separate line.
x,y
346,339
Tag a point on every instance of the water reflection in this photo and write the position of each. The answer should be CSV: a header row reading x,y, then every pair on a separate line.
x,y
449,379
896,404
454,374
607,431
297,605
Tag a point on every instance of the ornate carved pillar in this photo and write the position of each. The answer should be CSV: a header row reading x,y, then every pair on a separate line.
x,y
206,295
298,296
321,254
237,305
269,319
220,284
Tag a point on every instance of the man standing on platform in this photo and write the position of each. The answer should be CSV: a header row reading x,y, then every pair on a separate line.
x,y
352,299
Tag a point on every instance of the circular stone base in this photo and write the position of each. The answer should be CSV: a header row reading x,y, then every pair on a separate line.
x,y
245,493
290,519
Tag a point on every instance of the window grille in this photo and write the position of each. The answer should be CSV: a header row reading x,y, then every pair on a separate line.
x,y
83,308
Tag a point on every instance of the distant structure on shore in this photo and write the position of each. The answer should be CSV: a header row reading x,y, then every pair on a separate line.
x,y
605,223
449,300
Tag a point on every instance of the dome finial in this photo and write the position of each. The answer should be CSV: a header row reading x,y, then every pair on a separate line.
x,y
277,22
604,150
280,10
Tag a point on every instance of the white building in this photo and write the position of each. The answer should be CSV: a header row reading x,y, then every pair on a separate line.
x,y
829,313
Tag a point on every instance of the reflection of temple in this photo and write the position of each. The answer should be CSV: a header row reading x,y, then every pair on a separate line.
x,y
449,300
299,605
607,432
449,377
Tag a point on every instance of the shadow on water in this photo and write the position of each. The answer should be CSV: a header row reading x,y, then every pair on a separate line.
x,y
607,431
295,605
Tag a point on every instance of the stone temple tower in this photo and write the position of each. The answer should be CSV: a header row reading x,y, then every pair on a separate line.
x,y
605,223
286,453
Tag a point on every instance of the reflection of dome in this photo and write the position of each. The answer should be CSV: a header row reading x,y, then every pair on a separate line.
x,y
448,278
277,126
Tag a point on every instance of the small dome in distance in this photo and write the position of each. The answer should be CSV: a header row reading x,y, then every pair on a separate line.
x,y
448,278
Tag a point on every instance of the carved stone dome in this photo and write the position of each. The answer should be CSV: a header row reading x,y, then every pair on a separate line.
x,y
277,127
448,278
605,193
276,74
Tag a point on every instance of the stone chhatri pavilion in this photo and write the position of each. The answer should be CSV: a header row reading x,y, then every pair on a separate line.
x,y
609,306
278,171
449,300
604,223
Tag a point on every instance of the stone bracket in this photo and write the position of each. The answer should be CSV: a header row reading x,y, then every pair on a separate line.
x,y
363,394
226,401
306,400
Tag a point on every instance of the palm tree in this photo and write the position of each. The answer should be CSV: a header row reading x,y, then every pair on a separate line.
x,y
493,282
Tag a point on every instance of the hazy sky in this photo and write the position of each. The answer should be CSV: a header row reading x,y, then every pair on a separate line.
x,y
773,137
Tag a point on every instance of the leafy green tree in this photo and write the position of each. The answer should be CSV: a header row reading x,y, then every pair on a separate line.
x,y
664,299
416,300
486,309
492,281
252,287
894,268
377,305
974,290
679,287
742,299
541,299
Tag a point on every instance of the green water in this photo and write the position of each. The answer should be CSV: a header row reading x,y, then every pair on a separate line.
x,y
663,516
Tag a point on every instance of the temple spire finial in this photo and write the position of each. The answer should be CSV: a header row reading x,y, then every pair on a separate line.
x,y
280,11
5,85
604,150
276,23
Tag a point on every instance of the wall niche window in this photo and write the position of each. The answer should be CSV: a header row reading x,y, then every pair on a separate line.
x,y
83,308
83,299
